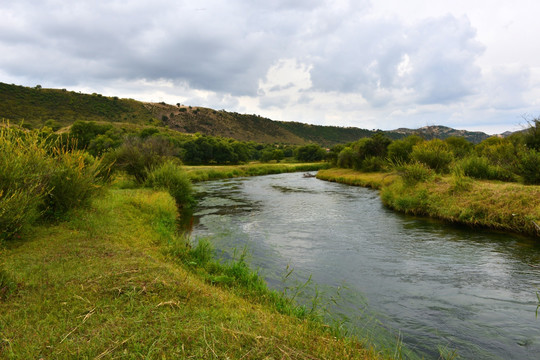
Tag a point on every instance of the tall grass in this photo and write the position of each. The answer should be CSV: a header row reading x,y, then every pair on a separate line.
x,y
40,178
171,177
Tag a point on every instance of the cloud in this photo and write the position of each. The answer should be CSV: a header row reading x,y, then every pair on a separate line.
x,y
313,60
369,57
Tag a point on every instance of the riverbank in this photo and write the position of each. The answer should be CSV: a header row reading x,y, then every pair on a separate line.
x,y
497,205
205,173
90,288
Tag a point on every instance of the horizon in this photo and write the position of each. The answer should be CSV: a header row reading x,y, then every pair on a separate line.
x,y
371,65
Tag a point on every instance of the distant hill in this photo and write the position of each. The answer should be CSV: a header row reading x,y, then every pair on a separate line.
x,y
35,106
443,132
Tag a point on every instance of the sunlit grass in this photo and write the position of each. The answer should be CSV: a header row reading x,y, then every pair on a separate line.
x,y
104,285
373,180
204,173
498,205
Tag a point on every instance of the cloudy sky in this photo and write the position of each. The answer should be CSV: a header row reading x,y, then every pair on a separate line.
x,y
381,64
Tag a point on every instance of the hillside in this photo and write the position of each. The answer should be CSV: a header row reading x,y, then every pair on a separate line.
x,y
443,132
35,106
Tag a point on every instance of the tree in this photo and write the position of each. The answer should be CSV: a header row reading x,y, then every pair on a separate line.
x,y
532,135
311,152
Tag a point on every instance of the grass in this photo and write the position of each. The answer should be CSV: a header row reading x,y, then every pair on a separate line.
x,y
374,180
204,173
456,199
105,284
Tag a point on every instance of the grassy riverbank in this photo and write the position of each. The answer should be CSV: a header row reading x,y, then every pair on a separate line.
x,y
456,199
114,280
204,173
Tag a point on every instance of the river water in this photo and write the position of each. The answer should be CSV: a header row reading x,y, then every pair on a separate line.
x,y
439,289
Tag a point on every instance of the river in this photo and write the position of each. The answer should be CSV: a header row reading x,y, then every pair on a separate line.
x,y
437,288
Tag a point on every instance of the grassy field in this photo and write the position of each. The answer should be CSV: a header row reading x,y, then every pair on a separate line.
x,y
204,173
108,283
498,205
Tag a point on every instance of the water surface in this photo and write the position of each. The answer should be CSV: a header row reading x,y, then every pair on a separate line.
x,y
440,288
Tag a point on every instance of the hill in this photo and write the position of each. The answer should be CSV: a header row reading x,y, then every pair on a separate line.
x,y
36,106
443,132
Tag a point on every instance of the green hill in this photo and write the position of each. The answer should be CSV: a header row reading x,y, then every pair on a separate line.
x,y
36,106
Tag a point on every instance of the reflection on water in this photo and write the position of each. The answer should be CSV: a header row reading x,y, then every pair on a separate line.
x,y
438,286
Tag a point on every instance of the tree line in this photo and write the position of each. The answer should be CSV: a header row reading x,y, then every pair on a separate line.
x,y
514,158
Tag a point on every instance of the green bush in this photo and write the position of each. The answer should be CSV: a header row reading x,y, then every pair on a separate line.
x,y
38,177
346,158
174,179
309,153
399,151
434,153
373,164
479,167
459,146
415,172
137,157
532,135
530,167
24,168
73,181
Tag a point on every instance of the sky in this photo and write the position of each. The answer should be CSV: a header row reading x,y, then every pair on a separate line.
x,y
380,64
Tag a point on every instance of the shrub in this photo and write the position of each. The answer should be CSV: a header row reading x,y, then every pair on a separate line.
x,y
373,164
459,146
498,151
23,169
73,181
40,177
311,152
137,157
346,158
174,179
530,167
532,135
399,151
479,167
434,153
415,172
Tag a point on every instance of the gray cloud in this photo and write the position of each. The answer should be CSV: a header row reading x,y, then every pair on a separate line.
x,y
225,50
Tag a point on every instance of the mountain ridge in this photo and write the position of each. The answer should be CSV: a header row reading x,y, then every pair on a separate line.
x,y
35,106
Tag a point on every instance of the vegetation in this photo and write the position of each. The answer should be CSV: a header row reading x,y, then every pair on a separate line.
x,y
41,178
446,179
80,285
37,107
511,159
417,190
87,288
204,173
57,108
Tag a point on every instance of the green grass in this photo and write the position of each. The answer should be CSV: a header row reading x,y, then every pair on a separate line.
x,y
204,173
457,199
106,284
374,180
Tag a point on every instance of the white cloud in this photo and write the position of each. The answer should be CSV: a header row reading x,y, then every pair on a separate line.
x,y
374,64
